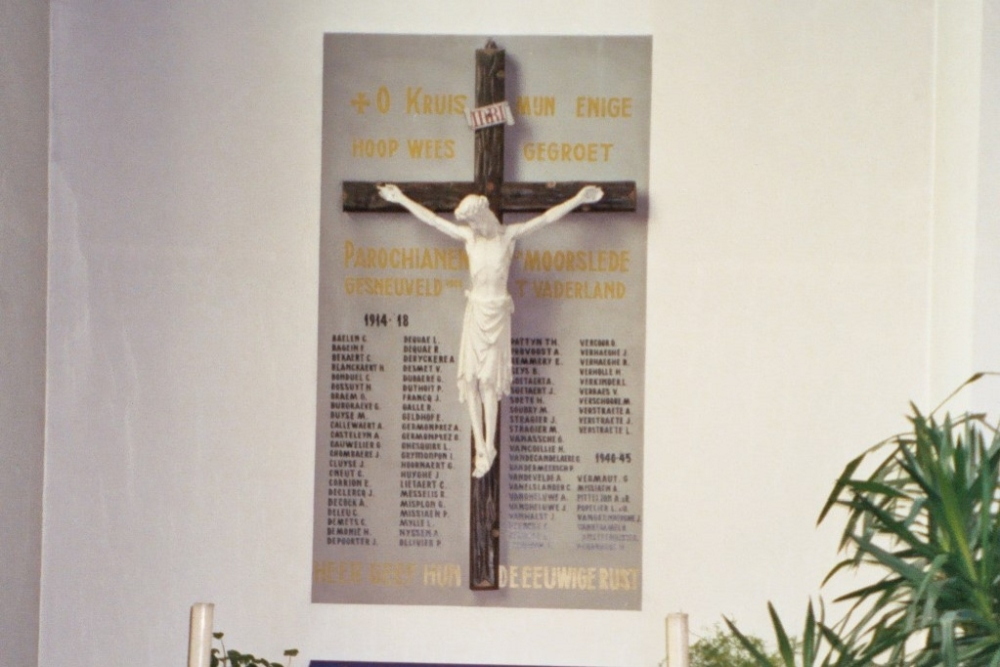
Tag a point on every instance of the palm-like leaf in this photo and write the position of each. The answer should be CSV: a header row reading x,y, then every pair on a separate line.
x,y
820,645
926,520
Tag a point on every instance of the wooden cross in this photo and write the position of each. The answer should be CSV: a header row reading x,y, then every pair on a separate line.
x,y
358,196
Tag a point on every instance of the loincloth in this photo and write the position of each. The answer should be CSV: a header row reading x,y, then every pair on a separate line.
x,y
484,355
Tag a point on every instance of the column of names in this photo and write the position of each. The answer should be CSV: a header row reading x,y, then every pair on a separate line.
x,y
355,440
606,518
427,444
540,466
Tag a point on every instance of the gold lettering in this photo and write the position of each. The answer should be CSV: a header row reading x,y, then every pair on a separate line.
x,y
337,572
578,289
431,149
371,148
439,104
391,574
604,261
536,105
603,107
569,578
435,259
615,579
401,287
443,575
540,151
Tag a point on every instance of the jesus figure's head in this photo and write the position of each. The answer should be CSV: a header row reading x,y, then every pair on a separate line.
x,y
475,210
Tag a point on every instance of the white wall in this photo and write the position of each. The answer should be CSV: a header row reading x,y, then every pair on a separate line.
x,y
987,269
23,215
788,324
958,71
793,154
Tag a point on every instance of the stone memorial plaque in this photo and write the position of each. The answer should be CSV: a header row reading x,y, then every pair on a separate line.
x,y
393,458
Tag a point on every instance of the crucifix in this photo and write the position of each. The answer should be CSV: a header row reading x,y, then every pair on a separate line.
x,y
501,197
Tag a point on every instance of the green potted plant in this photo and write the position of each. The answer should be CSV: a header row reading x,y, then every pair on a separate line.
x,y
926,523
223,658
719,648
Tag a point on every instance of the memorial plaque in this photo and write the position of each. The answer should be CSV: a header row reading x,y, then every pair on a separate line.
x,y
393,464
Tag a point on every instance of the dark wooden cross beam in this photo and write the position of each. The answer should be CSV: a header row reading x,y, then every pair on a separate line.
x,y
484,504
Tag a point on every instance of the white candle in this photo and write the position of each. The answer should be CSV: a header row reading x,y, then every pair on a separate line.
x,y
677,640
200,639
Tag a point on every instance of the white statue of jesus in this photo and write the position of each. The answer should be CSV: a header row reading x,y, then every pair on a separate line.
x,y
484,358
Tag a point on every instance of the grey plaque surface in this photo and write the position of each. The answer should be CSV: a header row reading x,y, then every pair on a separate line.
x,y
393,463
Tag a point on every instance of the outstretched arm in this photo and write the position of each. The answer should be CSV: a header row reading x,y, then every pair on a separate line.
x,y
392,193
587,195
